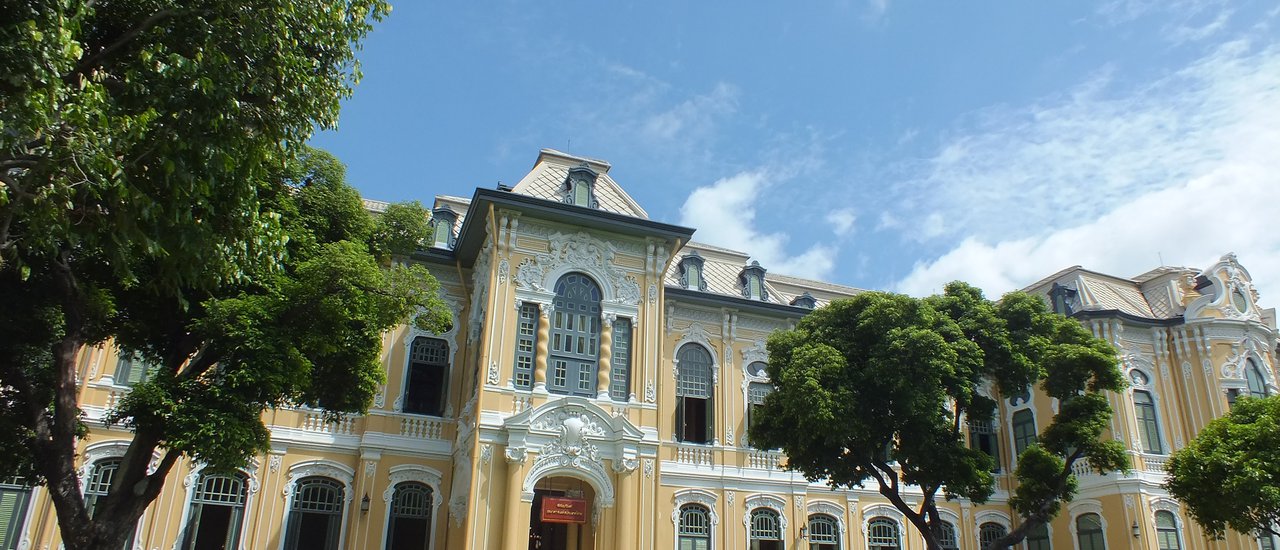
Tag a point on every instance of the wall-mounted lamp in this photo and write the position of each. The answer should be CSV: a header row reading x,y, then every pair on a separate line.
x,y
1137,531
364,503
804,532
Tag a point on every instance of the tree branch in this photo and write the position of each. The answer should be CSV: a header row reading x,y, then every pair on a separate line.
x,y
91,61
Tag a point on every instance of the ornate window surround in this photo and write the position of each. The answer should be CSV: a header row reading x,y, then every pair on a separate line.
x,y
1150,388
699,497
835,511
697,335
1078,508
1010,410
450,337
250,472
412,473
989,516
320,468
97,452
761,500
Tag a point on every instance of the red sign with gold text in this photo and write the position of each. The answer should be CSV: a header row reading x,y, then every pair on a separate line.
x,y
564,510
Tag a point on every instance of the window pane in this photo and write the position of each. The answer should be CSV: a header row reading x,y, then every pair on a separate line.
x,y
620,377
1024,430
1148,429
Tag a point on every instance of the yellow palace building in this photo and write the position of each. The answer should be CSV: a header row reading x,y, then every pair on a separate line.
x,y
594,394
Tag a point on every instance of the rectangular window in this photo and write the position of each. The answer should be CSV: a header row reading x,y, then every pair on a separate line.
x,y
585,382
526,344
982,436
14,497
756,392
132,369
560,373
428,374
1144,408
620,366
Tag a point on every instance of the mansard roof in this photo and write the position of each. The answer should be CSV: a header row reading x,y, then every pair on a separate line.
x,y
721,268
546,181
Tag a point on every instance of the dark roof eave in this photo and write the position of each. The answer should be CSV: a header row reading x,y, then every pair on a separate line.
x,y
734,302
471,237
1135,319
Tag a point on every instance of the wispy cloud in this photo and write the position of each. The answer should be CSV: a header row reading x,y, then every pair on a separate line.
x,y
693,117
842,221
1185,167
725,215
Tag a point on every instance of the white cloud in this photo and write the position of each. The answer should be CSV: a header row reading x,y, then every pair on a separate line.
x,y
842,221
695,116
724,213
1185,168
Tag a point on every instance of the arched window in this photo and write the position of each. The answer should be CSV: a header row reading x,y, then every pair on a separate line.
x,y
15,495
442,220
695,528
948,539
1038,538
766,530
1257,383
1024,431
315,518
575,336
409,527
1089,532
217,512
824,533
620,363
1144,408
752,279
691,272
132,369
756,392
882,534
1167,531
428,376
579,186
988,533
694,392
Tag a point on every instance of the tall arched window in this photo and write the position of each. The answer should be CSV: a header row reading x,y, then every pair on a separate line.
x,y
428,376
694,392
575,336
1167,531
1089,532
882,534
1024,431
824,533
766,530
948,539
15,494
1038,538
1257,383
315,518
101,475
409,527
695,528
1144,408
217,512
988,533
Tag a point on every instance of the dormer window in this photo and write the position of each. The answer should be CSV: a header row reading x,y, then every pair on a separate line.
x,y
442,220
805,300
579,186
1061,297
691,276
752,278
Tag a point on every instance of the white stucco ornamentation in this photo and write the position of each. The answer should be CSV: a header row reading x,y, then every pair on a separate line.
x,y
694,496
698,335
579,252
831,509
765,501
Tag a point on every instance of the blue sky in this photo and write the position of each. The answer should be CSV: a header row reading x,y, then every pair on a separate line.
x,y
880,144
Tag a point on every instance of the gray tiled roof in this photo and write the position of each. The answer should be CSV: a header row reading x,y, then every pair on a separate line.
x,y
721,267
551,169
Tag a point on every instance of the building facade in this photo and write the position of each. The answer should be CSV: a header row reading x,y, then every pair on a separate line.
x,y
594,394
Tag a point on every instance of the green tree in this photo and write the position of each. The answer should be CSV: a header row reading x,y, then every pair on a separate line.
x,y
1229,475
155,192
890,379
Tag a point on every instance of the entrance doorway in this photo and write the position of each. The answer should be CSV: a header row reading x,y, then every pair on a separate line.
x,y
550,535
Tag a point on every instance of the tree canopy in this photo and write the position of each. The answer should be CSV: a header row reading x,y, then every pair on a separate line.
x,y
1229,475
892,380
156,194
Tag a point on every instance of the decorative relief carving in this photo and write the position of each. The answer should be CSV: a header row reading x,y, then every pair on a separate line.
x,y
486,453
493,373
370,468
516,455
558,420
765,501
761,324
694,496
504,270
321,469
650,394
728,436
653,293
380,399
833,510
401,474
580,252
648,468
729,496
273,463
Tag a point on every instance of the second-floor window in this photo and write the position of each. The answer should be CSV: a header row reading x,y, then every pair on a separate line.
x,y
982,436
526,344
694,393
575,336
756,392
1253,377
1144,408
132,369
427,377
620,363
1024,431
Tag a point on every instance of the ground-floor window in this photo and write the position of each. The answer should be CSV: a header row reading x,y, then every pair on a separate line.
x,y
409,527
695,528
14,497
882,534
315,517
217,513
988,533
824,533
1038,538
101,476
1089,532
766,530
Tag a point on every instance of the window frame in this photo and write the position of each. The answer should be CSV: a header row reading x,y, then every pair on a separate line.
x,y
15,529
526,349
1147,418
293,512
620,360
432,509
704,400
681,535
195,509
892,524
413,366
1098,534
988,532
1163,531
573,352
